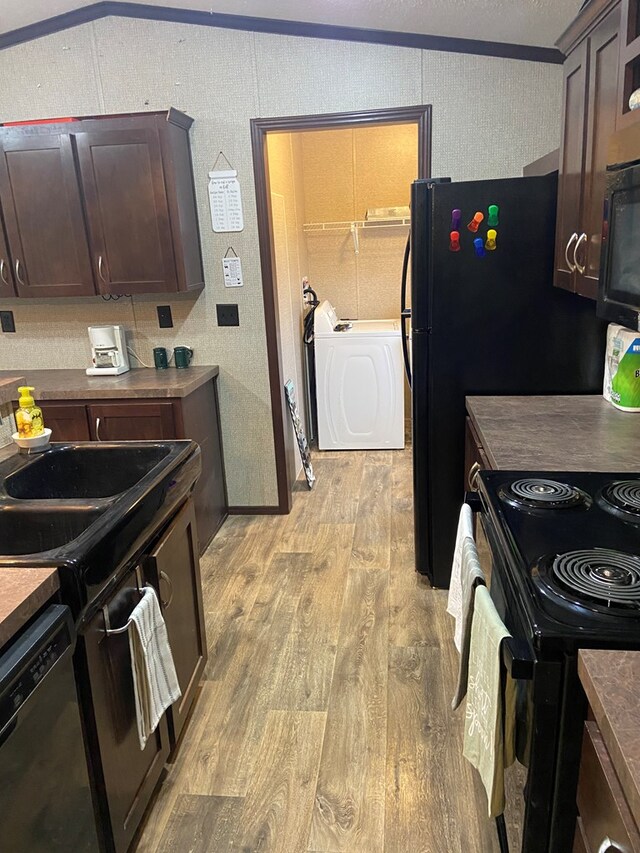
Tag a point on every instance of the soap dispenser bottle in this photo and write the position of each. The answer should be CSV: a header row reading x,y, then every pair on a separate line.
x,y
29,418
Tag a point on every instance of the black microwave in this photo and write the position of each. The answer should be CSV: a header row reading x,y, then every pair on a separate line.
x,y
619,287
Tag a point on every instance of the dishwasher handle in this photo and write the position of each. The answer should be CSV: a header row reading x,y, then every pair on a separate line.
x,y
30,658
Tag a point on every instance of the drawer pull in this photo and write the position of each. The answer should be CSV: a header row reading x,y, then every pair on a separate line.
x,y
609,846
2,273
98,430
571,266
165,577
18,276
473,476
577,263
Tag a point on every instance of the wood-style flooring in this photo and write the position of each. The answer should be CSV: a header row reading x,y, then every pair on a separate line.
x,y
324,723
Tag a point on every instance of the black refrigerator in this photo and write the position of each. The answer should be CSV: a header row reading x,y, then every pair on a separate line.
x,y
485,319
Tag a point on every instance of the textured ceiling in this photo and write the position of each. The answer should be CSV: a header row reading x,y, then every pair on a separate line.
x,y
534,22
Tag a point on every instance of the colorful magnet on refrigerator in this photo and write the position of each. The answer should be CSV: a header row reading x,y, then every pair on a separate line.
x,y
494,213
454,241
490,245
475,222
478,245
456,219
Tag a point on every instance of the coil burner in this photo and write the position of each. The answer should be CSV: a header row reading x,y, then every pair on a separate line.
x,y
623,498
607,577
537,493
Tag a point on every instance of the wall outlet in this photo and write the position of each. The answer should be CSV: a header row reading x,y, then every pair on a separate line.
x,y
7,322
228,315
165,320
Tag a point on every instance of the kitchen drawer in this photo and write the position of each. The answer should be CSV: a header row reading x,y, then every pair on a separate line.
x,y
603,808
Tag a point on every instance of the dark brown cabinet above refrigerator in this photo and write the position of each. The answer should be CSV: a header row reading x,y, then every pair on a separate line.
x,y
589,119
101,205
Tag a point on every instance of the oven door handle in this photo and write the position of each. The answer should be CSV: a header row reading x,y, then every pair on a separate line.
x,y
473,499
517,659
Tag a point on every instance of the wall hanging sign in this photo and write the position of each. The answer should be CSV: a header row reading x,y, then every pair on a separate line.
x,y
225,199
303,447
232,269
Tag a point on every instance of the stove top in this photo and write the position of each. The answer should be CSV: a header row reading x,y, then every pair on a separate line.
x,y
571,548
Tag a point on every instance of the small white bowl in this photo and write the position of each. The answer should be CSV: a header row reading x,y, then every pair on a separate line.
x,y
35,442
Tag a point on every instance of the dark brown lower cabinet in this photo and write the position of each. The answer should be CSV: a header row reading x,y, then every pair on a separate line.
x,y
67,421
174,569
195,416
475,458
606,822
125,775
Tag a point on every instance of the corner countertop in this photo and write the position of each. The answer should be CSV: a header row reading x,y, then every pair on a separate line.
x,y
559,433
139,382
9,385
22,593
610,680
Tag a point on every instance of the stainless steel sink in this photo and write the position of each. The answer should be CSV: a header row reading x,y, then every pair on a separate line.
x,y
84,472
34,530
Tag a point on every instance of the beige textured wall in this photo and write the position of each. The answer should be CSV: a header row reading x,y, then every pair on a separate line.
x,y
287,205
491,116
346,172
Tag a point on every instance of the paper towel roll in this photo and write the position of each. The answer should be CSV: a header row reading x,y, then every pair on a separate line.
x,y
622,369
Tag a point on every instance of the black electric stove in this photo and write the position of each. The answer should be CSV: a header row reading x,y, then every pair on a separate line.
x,y
566,575
572,544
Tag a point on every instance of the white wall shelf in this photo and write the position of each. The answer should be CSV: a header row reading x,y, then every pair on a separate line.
x,y
354,227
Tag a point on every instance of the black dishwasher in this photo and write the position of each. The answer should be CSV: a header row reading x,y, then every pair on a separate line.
x,y
45,800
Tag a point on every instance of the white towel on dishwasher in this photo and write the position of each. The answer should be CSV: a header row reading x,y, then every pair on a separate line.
x,y
155,682
454,602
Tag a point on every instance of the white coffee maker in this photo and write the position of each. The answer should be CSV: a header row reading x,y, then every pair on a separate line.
x,y
108,351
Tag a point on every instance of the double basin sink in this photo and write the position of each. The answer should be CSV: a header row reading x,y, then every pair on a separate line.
x,y
60,506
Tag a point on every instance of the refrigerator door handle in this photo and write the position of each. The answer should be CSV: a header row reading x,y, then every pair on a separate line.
x,y
405,313
571,266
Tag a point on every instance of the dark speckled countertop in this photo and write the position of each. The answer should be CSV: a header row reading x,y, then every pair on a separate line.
x,y
22,593
610,680
139,382
560,433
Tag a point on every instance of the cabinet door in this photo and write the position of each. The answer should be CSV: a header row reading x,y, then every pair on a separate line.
x,y
571,164
43,216
68,422
127,210
129,774
6,273
131,421
175,568
601,119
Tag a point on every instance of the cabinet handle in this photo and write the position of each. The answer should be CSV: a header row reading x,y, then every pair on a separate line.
x,y
578,266
165,577
573,237
2,274
100,272
18,276
473,476
98,430
609,846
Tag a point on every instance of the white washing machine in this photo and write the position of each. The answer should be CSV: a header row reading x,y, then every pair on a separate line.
x,y
359,382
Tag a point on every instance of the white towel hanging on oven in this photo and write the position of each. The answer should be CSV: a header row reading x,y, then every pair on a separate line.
x,y
454,602
472,575
489,729
155,683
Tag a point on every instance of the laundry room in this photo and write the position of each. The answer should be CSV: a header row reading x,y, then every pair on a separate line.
x,y
340,222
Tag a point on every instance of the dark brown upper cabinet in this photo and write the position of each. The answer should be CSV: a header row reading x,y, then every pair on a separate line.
x,y
43,215
6,273
589,119
100,205
127,211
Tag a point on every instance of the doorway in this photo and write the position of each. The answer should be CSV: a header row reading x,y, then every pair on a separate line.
x,y
344,132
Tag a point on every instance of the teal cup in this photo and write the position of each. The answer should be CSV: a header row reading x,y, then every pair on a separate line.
x,y
182,357
160,358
